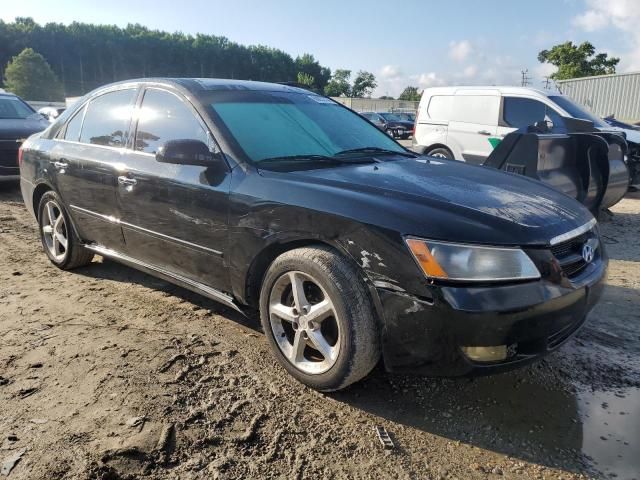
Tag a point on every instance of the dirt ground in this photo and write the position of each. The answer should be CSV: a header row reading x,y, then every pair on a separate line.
x,y
107,373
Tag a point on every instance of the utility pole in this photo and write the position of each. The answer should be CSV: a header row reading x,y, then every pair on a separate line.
x,y
525,77
547,83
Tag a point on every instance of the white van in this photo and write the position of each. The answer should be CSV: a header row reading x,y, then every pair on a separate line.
x,y
466,123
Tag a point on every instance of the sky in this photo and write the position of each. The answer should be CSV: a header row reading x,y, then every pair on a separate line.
x,y
409,42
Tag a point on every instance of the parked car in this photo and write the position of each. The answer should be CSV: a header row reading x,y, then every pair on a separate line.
x,y
352,248
51,113
406,116
390,124
17,121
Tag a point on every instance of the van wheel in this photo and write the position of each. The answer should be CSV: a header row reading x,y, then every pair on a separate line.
x,y
440,152
319,319
59,240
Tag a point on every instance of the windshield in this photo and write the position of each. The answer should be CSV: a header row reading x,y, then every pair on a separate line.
x,y
390,117
576,111
14,108
269,125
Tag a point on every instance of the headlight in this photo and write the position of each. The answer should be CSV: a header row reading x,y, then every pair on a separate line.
x,y
454,261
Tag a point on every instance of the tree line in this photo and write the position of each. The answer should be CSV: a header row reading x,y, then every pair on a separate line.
x,y
84,56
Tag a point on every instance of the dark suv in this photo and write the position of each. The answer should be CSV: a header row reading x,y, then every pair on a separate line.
x,y
351,247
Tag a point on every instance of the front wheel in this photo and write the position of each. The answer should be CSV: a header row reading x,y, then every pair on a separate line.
x,y
318,317
59,240
440,153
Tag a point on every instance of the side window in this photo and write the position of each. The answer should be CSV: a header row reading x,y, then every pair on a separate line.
x,y
163,116
523,112
106,121
74,125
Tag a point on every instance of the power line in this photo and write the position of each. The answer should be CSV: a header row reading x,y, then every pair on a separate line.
x,y
525,77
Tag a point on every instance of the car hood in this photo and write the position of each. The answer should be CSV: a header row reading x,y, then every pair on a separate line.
x,y
442,199
11,129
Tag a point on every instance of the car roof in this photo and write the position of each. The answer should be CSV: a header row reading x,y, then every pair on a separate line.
x,y
535,92
211,84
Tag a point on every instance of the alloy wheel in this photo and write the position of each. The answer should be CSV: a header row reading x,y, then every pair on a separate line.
x,y
54,230
304,322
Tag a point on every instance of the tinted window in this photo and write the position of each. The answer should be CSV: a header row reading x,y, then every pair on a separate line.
x,y
523,112
164,117
278,124
107,118
73,127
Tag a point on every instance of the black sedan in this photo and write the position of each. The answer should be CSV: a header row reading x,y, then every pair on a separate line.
x,y
352,248
391,124
17,121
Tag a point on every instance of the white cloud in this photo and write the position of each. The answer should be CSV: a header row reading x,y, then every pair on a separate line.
x,y
390,72
470,71
430,79
622,15
459,51
590,21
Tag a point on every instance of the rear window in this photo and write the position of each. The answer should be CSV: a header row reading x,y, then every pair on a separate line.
x,y
14,108
107,118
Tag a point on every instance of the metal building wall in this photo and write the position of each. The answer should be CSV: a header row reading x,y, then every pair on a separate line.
x,y
607,94
377,105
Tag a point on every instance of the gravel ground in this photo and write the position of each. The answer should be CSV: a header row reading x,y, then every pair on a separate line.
x,y
107,373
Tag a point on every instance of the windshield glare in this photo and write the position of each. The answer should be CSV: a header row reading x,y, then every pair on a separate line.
x,y
283,124
576,111
14,108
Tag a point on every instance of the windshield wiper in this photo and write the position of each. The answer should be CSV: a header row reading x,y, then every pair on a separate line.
x,y
375,150
312,158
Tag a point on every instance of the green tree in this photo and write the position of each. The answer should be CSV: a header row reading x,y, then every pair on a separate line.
x,y
575,61
364,84
410,93
29,76
339,85
305,79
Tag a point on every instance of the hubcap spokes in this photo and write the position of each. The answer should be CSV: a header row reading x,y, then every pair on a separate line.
x,y
54,230
304,322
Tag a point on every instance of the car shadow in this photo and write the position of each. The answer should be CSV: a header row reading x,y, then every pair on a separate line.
x,y
508,413
110,270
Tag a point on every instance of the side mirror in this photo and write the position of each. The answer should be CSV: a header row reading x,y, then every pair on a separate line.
x,y
185,152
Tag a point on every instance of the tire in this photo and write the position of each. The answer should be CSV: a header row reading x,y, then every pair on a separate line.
x,y
440,152
391,132
56,231
351,339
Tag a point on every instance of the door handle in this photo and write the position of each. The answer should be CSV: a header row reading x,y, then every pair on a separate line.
x,y
61,164
129,182
484,132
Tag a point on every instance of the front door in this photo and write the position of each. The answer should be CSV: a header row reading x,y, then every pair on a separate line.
x,y
174,217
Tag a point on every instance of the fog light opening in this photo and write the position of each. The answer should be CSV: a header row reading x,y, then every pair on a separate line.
x,y
488,354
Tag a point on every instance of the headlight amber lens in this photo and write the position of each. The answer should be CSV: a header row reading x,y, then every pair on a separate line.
x,y
461,262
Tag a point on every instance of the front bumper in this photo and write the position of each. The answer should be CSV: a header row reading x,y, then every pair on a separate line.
x,y
534,318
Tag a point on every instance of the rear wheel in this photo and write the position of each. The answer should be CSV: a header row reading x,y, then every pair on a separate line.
x,y
440,152
318,317
59,240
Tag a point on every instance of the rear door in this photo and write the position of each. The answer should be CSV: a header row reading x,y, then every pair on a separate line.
x,y
86,160
174,216
474,124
